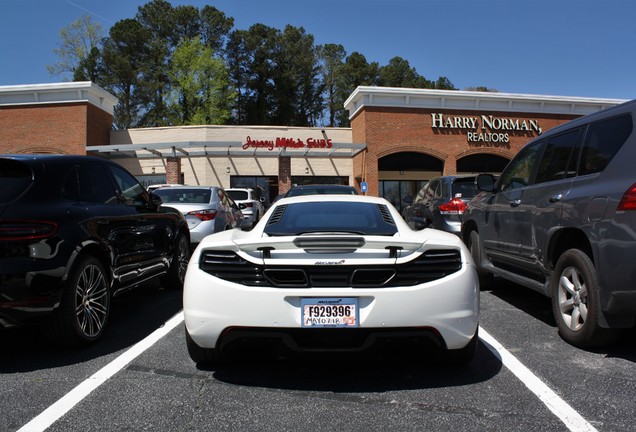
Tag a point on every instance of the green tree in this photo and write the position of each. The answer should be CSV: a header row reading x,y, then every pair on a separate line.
x,y
332,59
124,55
444,83
200,91
356,71
298,90
215,28
78,41
399,73
258,43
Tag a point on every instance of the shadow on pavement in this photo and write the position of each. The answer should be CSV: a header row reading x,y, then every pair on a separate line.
x,y
134,316
347,373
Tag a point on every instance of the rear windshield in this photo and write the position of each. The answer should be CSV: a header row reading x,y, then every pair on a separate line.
x,y
333,217
15,177
186,196
466,187
321,191
238,195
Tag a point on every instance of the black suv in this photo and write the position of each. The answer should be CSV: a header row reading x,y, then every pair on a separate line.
x,y
75,231
561,220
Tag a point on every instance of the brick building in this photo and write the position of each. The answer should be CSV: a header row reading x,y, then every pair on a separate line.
x,y
54,118
412,135
399,138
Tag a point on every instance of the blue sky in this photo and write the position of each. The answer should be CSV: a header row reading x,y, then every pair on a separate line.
x,y
583,48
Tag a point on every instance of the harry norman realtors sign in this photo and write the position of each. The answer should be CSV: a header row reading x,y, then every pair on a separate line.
x,y
485,130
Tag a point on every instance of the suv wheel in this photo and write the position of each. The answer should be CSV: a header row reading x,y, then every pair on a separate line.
x,y
176,275
85,304
575,301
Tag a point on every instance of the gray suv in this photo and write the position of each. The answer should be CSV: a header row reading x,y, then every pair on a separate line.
x,y
561,220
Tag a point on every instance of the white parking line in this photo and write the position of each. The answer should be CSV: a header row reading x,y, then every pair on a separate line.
x,y
572,419
75,396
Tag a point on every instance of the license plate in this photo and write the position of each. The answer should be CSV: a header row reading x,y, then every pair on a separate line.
x,y
329,312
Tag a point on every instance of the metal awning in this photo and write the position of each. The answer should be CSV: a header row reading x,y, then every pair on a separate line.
x,y
216,148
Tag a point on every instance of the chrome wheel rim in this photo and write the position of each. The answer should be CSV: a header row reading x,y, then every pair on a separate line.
x,y
183,256
573,298
91,301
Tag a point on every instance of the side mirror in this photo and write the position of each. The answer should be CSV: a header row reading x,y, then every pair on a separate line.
x,y
485,182
155,200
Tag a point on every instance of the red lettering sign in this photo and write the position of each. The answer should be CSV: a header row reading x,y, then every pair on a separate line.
x,y
282,142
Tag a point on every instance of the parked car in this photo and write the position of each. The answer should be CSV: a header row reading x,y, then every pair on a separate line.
x,y
250,203
440,203
331,273
154,187
321,189
208,209
76,231
561,220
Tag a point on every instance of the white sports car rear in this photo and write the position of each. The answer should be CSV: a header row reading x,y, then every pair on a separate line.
x,y
331,273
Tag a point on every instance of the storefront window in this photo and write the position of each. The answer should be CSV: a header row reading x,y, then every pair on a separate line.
x,y
395,191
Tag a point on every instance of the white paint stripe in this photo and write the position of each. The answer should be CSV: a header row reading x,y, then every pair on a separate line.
x,y
572,419
66,403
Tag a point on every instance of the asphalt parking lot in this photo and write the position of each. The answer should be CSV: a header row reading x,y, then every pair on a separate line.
x,y
140,377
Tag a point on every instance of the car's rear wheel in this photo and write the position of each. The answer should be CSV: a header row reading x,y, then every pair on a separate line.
x,y
181,256
85,304
202,356
485,278
575,301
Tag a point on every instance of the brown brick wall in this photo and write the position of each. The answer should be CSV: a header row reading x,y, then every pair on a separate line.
x,y
393,130
55,128
284,174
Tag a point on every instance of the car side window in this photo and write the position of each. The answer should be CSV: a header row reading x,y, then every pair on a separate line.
x,y
603,140
89,183
519,171
433,190
131,191
558,160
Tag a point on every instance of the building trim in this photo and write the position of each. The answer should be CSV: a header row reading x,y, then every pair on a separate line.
x,y
365,97
216,148
58,93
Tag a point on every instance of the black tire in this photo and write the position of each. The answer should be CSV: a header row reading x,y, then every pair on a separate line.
x,y
463,356
84,306
202,356
485,278
575,301
181,256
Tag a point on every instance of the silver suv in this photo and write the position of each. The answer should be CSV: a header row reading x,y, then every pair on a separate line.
x,y
560,220
250,203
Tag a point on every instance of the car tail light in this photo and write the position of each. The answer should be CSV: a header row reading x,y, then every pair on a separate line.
x,y
250,204
204,215
454,206
26,229
628,202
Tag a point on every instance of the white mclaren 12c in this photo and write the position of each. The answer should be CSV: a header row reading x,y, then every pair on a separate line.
x,y
322,273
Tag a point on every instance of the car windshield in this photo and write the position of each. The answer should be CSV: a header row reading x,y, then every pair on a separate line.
x,y
466,187
238,195
331,216
320,191
185,196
